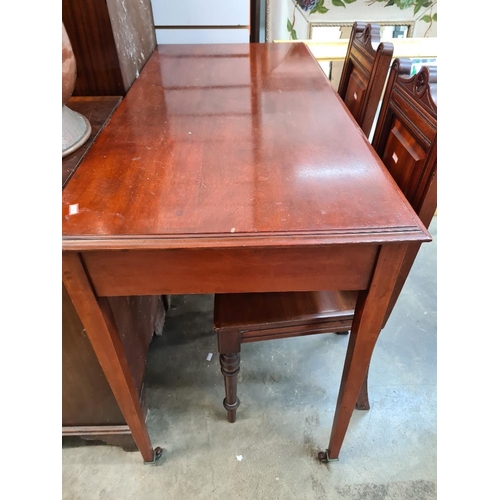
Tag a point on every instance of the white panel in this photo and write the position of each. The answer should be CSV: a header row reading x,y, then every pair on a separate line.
x,y
278,12
203,36
201,12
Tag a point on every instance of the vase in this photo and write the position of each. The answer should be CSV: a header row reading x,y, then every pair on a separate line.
x,y
76,128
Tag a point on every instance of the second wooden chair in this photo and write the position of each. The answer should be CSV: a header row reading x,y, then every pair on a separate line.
x,y
364,73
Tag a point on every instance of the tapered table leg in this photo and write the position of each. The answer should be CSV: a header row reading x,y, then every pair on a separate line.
x,y
98,321
368,319
363,403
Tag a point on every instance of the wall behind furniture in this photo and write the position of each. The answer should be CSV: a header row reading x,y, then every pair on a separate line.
x,y
199,21
280,12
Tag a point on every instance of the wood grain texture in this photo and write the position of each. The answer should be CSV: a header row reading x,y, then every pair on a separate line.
x,y
116,435
230,270
87,398
406,135
253,317
97,318
217,174
112,40
89,29
135,318
364,73
371,309
260,312
89,408
406,140
217,143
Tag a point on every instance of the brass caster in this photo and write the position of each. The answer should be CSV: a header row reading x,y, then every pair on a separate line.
x,y
157,453
324,458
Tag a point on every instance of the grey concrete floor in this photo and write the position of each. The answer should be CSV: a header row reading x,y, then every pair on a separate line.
x,y
288,389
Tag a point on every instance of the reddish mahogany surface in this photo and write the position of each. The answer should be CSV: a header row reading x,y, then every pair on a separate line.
x,y
223,142
223,168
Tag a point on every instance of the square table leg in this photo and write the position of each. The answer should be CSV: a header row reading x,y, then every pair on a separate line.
x,y
97,318
368,321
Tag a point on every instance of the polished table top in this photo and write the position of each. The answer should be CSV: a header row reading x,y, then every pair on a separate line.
x,y
217,145
233,168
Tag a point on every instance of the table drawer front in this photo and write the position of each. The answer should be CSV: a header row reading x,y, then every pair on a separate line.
x,y
145,272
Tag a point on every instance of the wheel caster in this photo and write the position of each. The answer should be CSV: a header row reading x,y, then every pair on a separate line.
x,y
324,458
157,453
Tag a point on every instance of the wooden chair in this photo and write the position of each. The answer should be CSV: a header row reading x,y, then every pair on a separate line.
x,y
364,73
406,140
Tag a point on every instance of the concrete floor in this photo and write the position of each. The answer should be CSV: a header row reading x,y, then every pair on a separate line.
x,y
288,390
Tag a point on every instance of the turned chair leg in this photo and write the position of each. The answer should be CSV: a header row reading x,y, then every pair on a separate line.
x,y
230,367
229,349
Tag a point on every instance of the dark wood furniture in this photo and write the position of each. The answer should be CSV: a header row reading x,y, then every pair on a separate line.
x,y
89,409
111,40
255,21
364,73
406,135
204,182
253,317
405,139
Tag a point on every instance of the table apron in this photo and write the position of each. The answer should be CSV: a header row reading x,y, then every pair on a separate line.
x,y
230,270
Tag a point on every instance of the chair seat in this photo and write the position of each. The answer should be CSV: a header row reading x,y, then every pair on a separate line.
x,y
284,314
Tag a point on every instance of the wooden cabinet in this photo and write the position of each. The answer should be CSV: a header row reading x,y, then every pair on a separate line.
x,y
111,40
89,408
